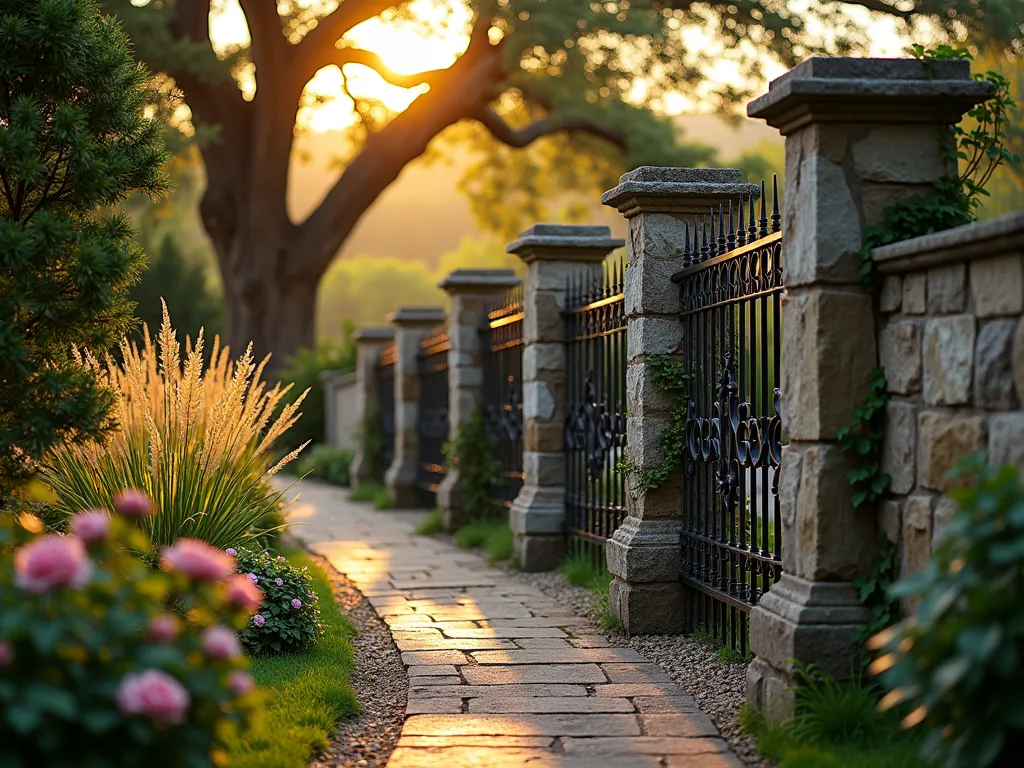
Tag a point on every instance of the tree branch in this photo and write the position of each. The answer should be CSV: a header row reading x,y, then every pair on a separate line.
x,y
264,31
343,56
880,6
523,137
318,46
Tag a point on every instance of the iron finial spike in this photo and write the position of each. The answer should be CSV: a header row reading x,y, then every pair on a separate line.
x,y
762,223
776,215
686,243
752,222
731,239
721,227
741,233
703,239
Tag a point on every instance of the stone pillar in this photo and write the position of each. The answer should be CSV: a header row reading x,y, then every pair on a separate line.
x,y
552,253
369,343
471,291
861,134
411,324
644,553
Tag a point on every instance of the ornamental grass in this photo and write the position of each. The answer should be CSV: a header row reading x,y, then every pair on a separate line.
x,y
196,439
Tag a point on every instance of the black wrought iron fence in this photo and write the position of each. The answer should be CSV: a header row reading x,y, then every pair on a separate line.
x,y
595,428
433,413
386,399
502,345
730,303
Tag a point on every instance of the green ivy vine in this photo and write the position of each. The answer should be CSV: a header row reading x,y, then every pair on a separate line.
x,y
672,379
371,441
862,439
471,451
873,592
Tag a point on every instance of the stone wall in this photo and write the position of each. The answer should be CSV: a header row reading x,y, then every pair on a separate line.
x,y
341,409
951,340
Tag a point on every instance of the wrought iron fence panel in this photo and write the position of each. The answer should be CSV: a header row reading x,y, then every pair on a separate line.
x,y
386,399
730,302
433,413
595,428
502,345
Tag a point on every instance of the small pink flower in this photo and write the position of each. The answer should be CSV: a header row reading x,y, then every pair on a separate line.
x,y
243,594
51,562
153,694
266,554
197,560
231,551
253,578
132,503
279,582
91,525
221,643
258,620
240,683
296,603
163,628
280,558
6,653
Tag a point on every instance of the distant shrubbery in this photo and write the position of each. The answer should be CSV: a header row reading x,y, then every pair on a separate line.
x,y
325,462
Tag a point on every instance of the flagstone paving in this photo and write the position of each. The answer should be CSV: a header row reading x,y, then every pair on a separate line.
x,y
501,675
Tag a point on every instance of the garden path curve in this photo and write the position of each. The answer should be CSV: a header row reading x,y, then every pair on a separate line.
x,y
500,674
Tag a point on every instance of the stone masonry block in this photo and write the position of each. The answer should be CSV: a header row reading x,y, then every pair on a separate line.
x,y
662,502
890,519
823,229
655,248
899,452
903,153
830,351
645,550
1006,439
876,197
947,289
948,359
945,509
643,436
643,396
542,357
899,352
891,298
648,608
536,553
657,335
544,435
542,317
544,469
915,294
538,511
997,286
1017,363
943,438
993,366
917,533
538,400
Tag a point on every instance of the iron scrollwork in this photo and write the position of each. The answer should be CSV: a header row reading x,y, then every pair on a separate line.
x,y
594,430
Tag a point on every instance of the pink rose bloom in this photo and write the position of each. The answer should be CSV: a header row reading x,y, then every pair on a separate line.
x,y
91,525
279,582
132,503
296,603
258,620
153,694
163,628
6,654
51,562
231,551
244,594
197,560
240,683
221,643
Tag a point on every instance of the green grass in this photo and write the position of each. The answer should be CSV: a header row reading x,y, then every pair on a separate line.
x,y
493,536
723,653
382,499
365,492
580,570
432,523
837,725
310,691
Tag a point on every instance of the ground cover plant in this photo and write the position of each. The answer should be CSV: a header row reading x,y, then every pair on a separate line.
x,y
74,139
580,570
311,689
194,439
325,462
107,661
494,537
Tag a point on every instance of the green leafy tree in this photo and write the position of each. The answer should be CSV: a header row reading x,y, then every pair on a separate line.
x,y
73,138
591,75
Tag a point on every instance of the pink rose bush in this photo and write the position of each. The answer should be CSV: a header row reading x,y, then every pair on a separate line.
x,y
106,660
288,618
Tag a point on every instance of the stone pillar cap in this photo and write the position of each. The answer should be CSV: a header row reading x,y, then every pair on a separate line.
x,y
371,335
653,189
469,280
827,89
565,242
417,316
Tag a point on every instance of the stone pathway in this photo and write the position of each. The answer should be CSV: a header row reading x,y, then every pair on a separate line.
x,y
500,674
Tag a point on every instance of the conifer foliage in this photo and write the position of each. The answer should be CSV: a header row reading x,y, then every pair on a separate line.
x,y
74,140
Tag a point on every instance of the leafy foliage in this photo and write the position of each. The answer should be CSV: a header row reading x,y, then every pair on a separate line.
x,y
196,442
72,138
470,452
671,378
325,462
432,523
290,615
70,651
371,441
862,439
958,661
874,592
493,536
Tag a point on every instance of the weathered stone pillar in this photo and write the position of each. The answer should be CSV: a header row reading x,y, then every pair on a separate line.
x,y
644,553
369,343
471,290
411,324
861,134
552,254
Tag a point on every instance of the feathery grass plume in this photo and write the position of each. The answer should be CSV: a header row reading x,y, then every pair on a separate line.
x,y
196,442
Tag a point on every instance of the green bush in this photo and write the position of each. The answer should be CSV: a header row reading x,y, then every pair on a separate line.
x,y
492,536
432,523
367,492
325,462
289,619
957,663
73,138
94,671
470,452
